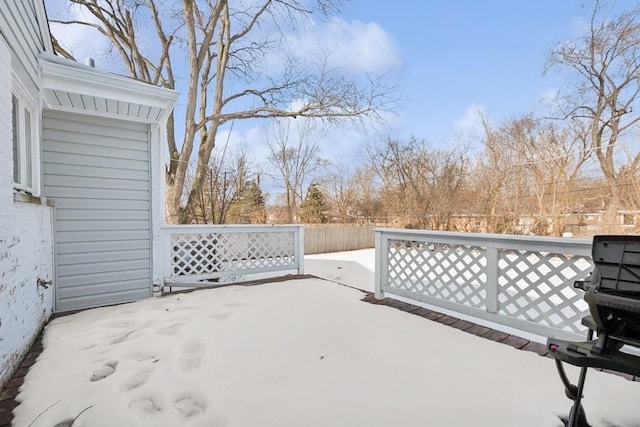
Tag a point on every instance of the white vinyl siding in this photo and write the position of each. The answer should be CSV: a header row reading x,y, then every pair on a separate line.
x,y
20,26
97,171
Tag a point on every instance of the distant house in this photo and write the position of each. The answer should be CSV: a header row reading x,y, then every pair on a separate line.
x,y
627,221
81,198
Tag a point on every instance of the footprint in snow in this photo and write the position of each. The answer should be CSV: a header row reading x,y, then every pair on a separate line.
x,y
104,371
189,405
120,338
146,404
171,329
192,357
137,379
142,355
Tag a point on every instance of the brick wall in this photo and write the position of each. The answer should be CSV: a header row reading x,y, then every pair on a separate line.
x,y
25,248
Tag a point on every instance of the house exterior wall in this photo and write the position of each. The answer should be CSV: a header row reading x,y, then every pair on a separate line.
x,y
22,28
97,171
29,69
63,79
25,240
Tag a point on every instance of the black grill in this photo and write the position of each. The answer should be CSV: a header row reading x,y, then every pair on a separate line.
x,y
613,294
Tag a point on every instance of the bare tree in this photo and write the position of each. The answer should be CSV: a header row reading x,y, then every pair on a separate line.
x,y
369,205
420,185
606,67
225,183
629,176
225,45
449,169
497,184
551,158
295,156
530,169
339,192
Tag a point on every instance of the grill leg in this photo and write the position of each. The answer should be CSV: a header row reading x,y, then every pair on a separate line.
x,y
577,416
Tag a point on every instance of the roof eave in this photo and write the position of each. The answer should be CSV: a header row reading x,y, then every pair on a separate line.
x,y
69,76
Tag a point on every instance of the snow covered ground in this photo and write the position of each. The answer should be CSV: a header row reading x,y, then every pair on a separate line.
x,y
296,353
352,268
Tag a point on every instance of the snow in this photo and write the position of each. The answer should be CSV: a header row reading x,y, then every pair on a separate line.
x,y
296,353
352,268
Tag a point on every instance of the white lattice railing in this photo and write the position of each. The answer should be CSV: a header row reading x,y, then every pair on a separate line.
x,y
522,282
195,254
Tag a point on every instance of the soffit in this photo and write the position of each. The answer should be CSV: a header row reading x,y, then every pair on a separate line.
x,y
71,86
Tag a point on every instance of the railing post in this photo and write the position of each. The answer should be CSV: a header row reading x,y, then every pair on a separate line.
x,y
492,280
300,249
381,263
166,255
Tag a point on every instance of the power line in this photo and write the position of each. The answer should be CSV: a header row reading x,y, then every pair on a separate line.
x,y
550,159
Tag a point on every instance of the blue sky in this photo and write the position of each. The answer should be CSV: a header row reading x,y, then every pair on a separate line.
x,y
461,55
449,59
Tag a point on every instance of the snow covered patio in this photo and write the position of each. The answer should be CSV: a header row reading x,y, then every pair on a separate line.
x,y
303,352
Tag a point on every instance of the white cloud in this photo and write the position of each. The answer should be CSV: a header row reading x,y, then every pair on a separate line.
x,y
346,147
355,46
469,124
250,140
550,95
82,41
547,102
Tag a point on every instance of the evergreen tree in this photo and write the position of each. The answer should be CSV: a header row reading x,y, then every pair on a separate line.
x,y
315,208
250,206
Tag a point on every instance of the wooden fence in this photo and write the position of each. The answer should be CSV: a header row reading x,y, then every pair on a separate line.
x,y
323,238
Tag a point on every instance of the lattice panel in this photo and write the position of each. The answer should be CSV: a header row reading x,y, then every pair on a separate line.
x,y
538,287
207,253
452,273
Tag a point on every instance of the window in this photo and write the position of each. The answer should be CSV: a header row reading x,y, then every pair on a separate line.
x,y
26,154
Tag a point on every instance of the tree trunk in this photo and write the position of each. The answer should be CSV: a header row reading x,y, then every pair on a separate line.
x,y
610,223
